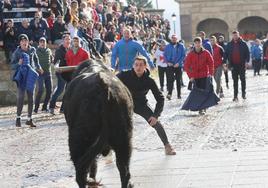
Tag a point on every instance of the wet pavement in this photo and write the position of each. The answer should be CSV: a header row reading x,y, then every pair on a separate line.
x,y
227,147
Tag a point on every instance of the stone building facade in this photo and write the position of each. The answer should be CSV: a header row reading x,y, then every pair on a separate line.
x,y
223,16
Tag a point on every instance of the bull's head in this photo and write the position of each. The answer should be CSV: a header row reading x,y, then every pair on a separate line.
x,y
89,66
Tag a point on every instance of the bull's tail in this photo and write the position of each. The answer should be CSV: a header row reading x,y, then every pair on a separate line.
x,y
104,98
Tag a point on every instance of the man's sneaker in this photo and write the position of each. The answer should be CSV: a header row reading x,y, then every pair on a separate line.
x,y
35,110
202,112
51,111
179,97
18,122
30,123
244,97
221,95
169,97
235,99
162,89
169,150
45,110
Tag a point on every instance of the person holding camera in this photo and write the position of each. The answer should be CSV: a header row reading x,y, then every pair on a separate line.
x,y
40,28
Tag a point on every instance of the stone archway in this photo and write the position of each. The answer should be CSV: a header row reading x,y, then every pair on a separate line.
x,y
253,27
213,26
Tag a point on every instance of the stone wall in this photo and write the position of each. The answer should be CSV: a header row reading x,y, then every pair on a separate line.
x,y
229,11
7,87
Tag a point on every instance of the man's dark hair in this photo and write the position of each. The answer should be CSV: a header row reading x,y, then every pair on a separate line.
x,y
235,32
197,39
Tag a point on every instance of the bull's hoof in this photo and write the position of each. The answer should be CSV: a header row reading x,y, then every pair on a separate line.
x,y
130,185
94,184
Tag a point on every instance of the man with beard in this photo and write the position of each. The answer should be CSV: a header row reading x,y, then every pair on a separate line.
x,y
237,53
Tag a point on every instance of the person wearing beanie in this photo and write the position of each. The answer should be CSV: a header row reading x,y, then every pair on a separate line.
x,y
16,63
45,60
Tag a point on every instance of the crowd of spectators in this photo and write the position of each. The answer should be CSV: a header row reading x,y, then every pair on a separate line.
x,y
98,25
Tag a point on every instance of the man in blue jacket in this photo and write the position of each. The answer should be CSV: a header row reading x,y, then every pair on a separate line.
x,y
256,54
205,42
174,55
34,63
126,50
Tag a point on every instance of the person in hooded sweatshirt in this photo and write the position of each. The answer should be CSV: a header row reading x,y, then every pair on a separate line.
x,y
139,84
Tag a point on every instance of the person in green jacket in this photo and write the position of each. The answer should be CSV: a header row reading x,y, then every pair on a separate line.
x,y
45,59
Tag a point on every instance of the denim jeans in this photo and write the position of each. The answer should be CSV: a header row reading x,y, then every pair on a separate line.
x,y
58,91
47,80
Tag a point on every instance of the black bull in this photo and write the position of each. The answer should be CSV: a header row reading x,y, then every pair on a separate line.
x,y
98,109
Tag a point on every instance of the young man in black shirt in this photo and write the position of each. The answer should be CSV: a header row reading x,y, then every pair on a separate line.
x,y
139,83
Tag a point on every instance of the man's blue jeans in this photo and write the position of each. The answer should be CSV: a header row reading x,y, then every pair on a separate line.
x,y
46,79
58,91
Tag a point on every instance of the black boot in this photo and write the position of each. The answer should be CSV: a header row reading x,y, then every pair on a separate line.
x,y
18,122
30,122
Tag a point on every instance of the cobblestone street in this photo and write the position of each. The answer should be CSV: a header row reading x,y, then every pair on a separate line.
x,y
227,147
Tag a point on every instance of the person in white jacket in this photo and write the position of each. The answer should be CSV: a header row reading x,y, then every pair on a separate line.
x,y
161,64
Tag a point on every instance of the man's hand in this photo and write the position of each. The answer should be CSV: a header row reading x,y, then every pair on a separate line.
x,y
152,68
20,62
246,65
191,79
41,71
152,120
225,68
176,65
170,64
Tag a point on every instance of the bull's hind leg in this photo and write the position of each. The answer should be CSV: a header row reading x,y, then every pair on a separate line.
x,y
77,150
81,176
93,170
123,153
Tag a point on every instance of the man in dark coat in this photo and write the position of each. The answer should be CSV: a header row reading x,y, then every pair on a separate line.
x,y
24,28
265,53
237,53
58,29
61,77
139,83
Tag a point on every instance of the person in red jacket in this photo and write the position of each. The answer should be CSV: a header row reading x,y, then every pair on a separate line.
x,y
76,54
218,57
199,65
